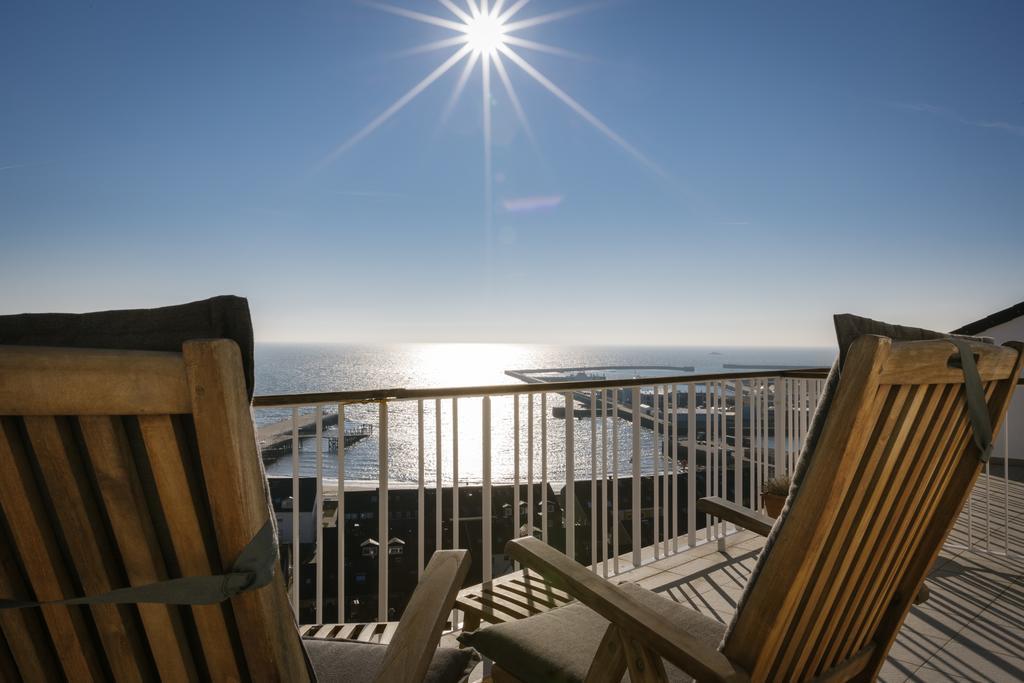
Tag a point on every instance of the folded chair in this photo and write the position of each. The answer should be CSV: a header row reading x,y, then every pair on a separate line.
x,y
137,538
904,440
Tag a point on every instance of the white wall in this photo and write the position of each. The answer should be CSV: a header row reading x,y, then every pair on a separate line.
x,y
1011,331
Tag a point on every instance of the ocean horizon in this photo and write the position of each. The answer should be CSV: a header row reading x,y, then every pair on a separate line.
x,y
283,368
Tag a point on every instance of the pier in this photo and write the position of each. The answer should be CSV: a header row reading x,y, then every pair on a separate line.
x,y
275,439
655,416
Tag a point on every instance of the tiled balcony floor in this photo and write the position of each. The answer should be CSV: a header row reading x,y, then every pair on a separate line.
x,y
970,629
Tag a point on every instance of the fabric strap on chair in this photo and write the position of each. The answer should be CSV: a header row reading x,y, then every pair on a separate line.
x,y
253,569
977,408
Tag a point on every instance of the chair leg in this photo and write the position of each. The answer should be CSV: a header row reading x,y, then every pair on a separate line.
x,y
645,665
610,659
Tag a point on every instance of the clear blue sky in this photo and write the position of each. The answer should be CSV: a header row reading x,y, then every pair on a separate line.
x,y
814,159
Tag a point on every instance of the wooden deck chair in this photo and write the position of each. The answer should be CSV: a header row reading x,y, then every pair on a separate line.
x,y
848,329
126,469
897,458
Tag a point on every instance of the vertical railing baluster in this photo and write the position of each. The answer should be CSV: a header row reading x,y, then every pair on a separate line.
x,y
570,478
604,482
765,424
341,513
780,427
382,513
485,501
691,464
455,474
420,489
710,454
675,468
593,479
1006,485
988,507
615,481
723,450
665,500
721,447
517,516
529,465
438,481
319,513
752,445
636,477
655,458
787,386
544,467
738,459
295,513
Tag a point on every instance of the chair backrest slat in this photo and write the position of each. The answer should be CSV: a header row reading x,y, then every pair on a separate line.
x,y
894,465
124,500
26,636
91,554
127,468
27,511
167,448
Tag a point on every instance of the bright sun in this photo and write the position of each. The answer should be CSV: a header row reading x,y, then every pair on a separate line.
x,y
488,33
485,33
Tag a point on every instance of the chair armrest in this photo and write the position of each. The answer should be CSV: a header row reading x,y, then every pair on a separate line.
x,y
737,514
638,622
419,631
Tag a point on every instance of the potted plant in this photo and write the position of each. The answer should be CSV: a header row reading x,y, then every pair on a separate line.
x,y
774,493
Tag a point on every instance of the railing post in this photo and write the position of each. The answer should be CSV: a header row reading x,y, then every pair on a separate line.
x,y
341,512
674,403
546,516
515,467
665,484
615,481
382,512
636,477
529,465
604,482
655,464
318,515
438,480
570,478
691,464
593,480
455,474
739,461
420,488
780,425
295,513
710,452
485,502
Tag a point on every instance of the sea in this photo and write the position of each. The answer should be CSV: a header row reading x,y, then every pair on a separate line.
x,y
303,368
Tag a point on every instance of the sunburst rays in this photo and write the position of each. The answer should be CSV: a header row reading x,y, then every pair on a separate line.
x,y
484,35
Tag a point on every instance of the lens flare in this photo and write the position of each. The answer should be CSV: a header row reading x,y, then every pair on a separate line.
x,y
484,35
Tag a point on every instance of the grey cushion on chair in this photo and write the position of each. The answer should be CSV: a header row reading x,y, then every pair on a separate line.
x,y
559,645
349,661
142,329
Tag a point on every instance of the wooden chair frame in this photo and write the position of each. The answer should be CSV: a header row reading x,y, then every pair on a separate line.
x,y
131,467
836,586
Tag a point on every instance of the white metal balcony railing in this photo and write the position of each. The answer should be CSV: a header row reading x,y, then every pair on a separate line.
x,y
697,416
